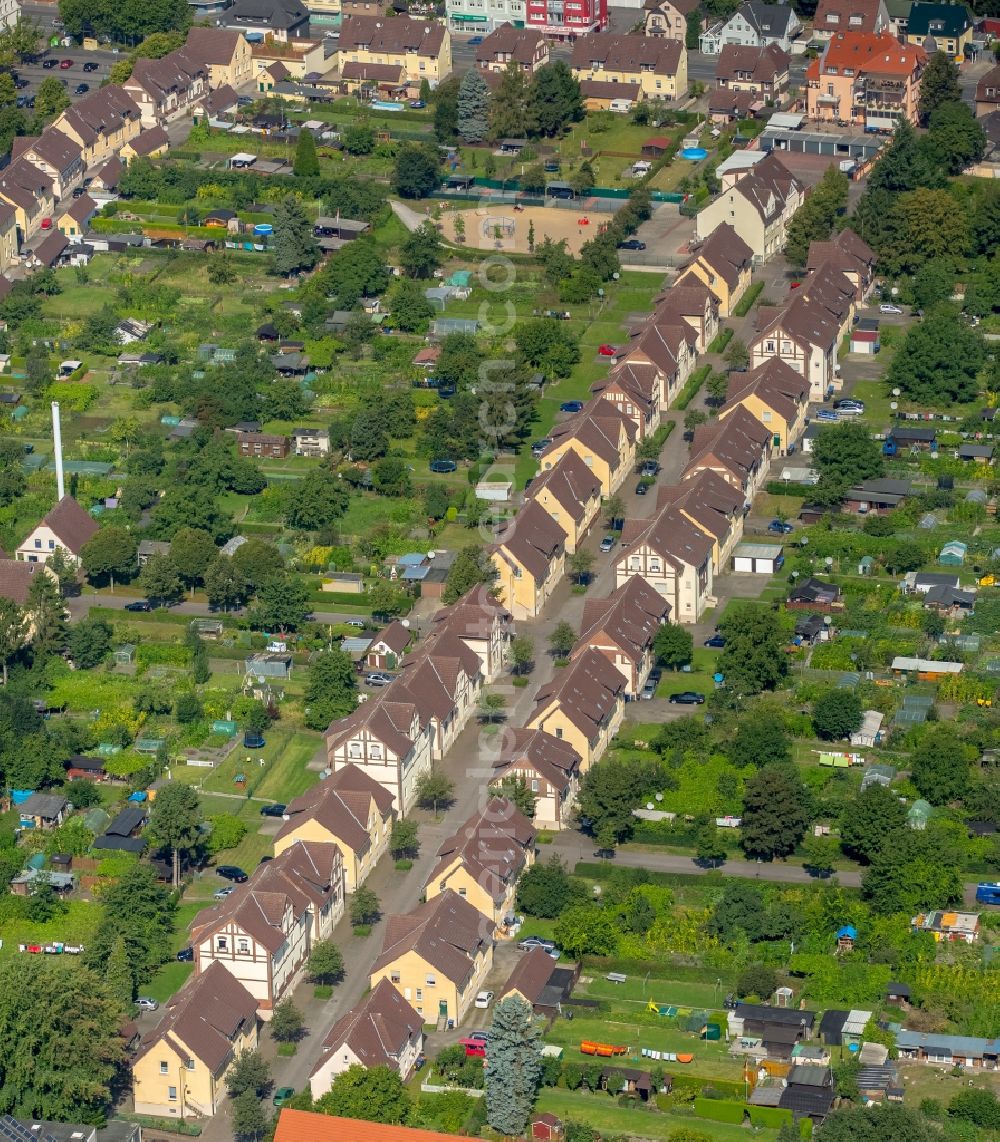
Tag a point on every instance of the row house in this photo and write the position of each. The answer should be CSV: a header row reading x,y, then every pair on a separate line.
x,y
776,395
759,206
56,155
622,627
724,262
832,16
754,24
692,302
669,18
482,862
674,557
854,258
661,349
167,89
583,705
570,492
349,809
24,187
737,448
988,93
548,766
760,72
382,1030
483,624
264,932
8,236
223,52
635,392
437,957
868,79
805,334
180,1067
529,558
389,740
421,49
603,437
102,123
74,221
524,48
655,66
713,506
832,291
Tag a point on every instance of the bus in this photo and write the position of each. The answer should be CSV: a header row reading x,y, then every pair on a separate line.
x,y
988,893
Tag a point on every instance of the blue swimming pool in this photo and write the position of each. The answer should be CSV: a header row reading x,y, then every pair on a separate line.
x,y
694,154
385,105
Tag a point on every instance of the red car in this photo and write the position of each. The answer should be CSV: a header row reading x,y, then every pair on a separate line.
x,y
607,350
65,65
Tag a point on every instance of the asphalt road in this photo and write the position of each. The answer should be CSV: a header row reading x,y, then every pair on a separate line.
x,y
80,605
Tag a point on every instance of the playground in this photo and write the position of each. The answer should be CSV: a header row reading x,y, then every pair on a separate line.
x,y
501,226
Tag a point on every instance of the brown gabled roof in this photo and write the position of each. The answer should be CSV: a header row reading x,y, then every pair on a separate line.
x,y
82,208
446,932
492,846
846,15
101,113
24,184
659,342
376,1031
630,54
530,976
395,636
709,501
767,186
629,617
739,443
672,535
150,140
725,252
70,523
160,78
751,65
607,89
203,1019
828,287
533,539
587,691
689,298
598,427
49,249
110,173
570,483
391,36
552,758
804,320
775,382
988,88
685,7
473,615
518,44
372,72
341,804
212,45
430,678
16,579
636,381
386,719
52,147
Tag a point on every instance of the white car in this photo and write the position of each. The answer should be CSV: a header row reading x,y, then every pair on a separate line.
x,y
888,307
484,999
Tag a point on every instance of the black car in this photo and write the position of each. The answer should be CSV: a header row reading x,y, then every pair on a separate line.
x,y
143,605
717,641
231,872
641,489
273,811
688,698
90,66
21,83
186,955
81,89
631,244
79,192
49,64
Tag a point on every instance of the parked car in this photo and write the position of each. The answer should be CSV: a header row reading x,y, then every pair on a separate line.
x,y
185,955
530,942
779,527
273,810
649,690
540,445
90,66
607,350
605,854
79,191
282,1095
631,244
378,679
49,64
442,466
849,407
483,1000
81,89
688,698
65,64
608,542
145,1004
888,307
480,1036
641,489
571,406
649,468
143,605
417,104
827,414
21,83
475,41
717,642
231,872
222,893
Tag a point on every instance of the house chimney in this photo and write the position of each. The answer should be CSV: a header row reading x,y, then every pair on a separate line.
x,y
57,443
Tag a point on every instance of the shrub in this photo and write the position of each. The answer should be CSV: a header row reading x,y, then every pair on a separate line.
x,y
720,1111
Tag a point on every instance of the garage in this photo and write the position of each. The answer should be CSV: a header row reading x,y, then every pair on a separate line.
x,y
758,558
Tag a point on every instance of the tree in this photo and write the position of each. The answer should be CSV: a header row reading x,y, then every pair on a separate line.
x,y
331,689
13,632
472,566
836,714
876,1124
938,362
939,86
845,454
175,821
978,1106
820,854
554,100
418,170
562,639
673,645
88,643
580,564
404,842
249,1072
522,654
160,579
692,33
757,979
546,890
956,137
286,1022
118,975
762,740
365,907
473,106
225,587
221,270
610,791
870,822
775,812
752,659
326,964
446,110
50,100
249,1120
491,706
711,849
305,163
373,1094
46,615
815,218
939,766
60,1059
586,930
192,549
422,252
434,790
716,387
614,510
508,104
513,1068
281,604
410,310
907,873
109,554
294,246
517,790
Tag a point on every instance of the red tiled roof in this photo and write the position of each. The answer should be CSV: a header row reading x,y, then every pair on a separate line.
x,y
305,1126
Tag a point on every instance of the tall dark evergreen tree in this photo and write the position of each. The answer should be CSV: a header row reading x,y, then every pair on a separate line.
x,y
473,107
305,163
295,248
513,1067
554,99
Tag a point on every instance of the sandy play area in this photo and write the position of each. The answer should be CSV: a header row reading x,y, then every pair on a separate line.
x,y
501,227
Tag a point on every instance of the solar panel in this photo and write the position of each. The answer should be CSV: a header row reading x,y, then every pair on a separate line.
x,y
16,1131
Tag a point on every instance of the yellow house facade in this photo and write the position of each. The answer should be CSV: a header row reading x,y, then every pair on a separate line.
x,y
529,559
8,236
725,264
603,437
570,493
422,49
655,64
776,395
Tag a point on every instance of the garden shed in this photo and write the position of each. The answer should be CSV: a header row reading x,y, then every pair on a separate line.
x,y
758,558
953,553
272,665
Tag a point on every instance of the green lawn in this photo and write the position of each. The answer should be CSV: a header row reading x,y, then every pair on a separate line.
x,y
638,990
76,926
698,678
167,981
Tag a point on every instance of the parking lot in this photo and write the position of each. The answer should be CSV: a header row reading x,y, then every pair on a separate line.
x,y
90,68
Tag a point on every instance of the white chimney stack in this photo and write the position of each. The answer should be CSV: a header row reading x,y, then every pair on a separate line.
x,y
57,442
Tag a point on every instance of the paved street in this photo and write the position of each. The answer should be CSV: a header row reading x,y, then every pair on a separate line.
x,y
80,605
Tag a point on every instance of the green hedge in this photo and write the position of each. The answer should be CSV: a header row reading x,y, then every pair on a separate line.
x,y
720,1110
773,1116
722,340
748,299
691,388
780,488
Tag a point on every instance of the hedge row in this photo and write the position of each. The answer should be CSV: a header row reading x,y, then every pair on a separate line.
x,y
692,387
773,1116
747,300
720,1110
